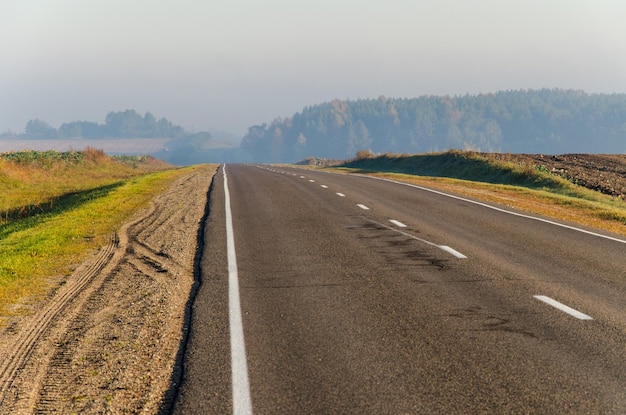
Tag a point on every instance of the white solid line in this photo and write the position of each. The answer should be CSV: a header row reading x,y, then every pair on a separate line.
x,y
363,206
521,215
563,307
242,404
397,223
341,194
324,186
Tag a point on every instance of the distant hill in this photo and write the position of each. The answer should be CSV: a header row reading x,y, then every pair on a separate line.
x,y
549,121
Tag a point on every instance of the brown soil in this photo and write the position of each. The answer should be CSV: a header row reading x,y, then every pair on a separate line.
x,y
605,173
108,340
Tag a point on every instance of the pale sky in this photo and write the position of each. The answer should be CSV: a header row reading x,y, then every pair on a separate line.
x,y
230,64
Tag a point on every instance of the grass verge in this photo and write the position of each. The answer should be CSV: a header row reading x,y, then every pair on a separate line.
x,y
521,187
461,165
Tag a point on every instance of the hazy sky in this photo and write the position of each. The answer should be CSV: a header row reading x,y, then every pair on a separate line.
x,y
229,64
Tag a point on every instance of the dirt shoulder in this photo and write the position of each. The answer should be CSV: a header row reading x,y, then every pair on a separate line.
x,y
107,341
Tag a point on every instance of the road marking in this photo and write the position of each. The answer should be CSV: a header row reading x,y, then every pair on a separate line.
x,y
397,223
442,247
563,307
451,251
242,404
324,186
312,181
363,206
341,194
521,215
302,177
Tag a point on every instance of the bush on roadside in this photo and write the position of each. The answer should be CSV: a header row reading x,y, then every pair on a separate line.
x,y
364,154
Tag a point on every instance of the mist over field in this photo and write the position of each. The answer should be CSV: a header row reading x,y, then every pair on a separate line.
x,y
242,69
526,121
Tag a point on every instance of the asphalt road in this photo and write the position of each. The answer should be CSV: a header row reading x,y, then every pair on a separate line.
x,y
361,296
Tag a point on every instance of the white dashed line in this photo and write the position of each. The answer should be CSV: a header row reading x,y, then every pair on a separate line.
x,y
302,177
363,206
452,251
341,195
324,186
312,181
442,247
563,307
397,223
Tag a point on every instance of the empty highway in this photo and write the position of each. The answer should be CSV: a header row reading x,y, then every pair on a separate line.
x,y
337,294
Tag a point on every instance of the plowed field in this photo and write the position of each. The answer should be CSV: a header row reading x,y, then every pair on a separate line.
x,y
605,173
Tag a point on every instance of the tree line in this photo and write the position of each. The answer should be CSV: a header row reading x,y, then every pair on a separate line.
x,y
120,124
548,121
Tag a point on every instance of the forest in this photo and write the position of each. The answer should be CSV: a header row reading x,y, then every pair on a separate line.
x,y
117,124
551,121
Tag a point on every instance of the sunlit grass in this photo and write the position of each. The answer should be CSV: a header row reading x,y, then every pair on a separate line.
x,y
52,219
33,180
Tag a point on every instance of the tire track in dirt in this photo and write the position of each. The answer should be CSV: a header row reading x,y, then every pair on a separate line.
x,y
25,343
107,341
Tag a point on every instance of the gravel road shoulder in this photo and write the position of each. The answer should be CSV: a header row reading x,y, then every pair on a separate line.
x,y
108,340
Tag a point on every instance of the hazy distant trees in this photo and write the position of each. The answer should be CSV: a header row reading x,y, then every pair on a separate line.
x,y
541,121
121,124
39,129
80,129
131,124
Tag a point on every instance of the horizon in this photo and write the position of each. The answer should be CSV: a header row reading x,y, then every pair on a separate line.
x,y
217,131
227,65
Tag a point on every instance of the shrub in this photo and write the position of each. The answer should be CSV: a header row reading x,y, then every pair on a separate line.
x,y
364,154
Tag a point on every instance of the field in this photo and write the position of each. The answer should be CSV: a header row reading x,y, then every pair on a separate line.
x,y
110,146
605,173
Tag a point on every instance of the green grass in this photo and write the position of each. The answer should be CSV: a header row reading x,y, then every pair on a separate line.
x,y
42,238
46,244
44,158
461,165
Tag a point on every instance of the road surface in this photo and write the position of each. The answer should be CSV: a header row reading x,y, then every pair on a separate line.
x,y
362,296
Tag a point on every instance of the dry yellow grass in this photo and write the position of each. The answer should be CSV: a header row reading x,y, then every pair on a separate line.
x,y
29,184
571,209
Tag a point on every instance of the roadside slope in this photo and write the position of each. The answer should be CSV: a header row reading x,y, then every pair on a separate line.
x,y
586,189
107,341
